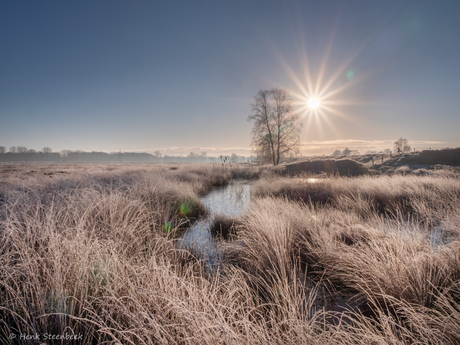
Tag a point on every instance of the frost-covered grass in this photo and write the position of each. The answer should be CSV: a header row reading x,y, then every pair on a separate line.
x,y
84,249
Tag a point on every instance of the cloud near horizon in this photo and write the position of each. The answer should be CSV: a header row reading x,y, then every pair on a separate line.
x,y
307,148
363,146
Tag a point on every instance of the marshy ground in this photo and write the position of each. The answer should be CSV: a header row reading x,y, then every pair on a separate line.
x,y
92,250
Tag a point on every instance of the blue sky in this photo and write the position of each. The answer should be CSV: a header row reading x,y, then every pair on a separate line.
x,y
180,76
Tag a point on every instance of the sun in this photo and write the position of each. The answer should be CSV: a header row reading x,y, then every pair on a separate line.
x,y
322,93
313,103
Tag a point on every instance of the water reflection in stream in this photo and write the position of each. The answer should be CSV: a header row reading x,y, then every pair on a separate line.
x,y
231,200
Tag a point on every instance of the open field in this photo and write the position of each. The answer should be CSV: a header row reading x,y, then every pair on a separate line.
x,y
90,250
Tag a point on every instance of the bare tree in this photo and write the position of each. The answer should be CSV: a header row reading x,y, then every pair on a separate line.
x,y
354,153
401,145
346,152
64,154
22,149
288,125
2,149
276,127
262,131
13,149
47,150
337,153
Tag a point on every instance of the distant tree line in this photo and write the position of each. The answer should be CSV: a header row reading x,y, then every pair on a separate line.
x,y
346,152
22,154
400,146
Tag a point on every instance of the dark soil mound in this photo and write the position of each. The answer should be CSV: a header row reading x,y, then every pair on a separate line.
x,y
443,157
343,167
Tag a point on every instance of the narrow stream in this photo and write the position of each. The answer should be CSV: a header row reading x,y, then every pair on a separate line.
x,y
231,200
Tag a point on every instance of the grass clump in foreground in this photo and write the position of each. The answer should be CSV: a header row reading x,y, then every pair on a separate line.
x,y
86,252
224,226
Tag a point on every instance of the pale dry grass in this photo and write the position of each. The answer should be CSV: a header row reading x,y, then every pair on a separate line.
x,y
371,270
86,252
428,197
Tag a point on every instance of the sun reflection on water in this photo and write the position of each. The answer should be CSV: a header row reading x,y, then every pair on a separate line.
x,y
309,180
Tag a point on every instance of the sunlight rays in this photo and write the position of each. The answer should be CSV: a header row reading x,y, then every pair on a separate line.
x,y
324,92
316,99
324,82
